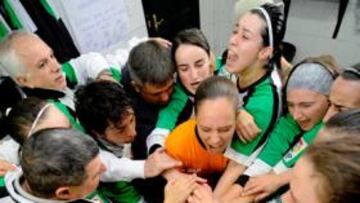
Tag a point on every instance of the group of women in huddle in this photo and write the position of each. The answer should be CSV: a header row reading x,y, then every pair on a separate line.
x,y
247,124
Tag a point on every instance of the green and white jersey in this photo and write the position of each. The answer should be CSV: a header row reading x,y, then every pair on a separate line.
x,y
221,70
296,151
18,17
97,197
169,116
263,101
120,191
87,66
286,144
180,100
79,71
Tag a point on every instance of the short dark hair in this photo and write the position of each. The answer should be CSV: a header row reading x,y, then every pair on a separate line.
x,y
192,36
213,88
21,117
150,63
52,158
99,103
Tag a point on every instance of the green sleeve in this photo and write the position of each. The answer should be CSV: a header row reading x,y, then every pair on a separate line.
x,y
220,70
279,140
14,20
218,64
168,115
293,155
4,30
2,181
48,8
262,106
97,196
69,72
120,192
116,74
311,134
3,191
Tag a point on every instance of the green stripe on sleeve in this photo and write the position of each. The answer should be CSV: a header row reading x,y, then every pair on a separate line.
x,y
14,20
70,72
116,74
48,8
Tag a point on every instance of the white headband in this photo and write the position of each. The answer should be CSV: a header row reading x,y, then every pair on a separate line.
x,y
352,70
40,113
269,25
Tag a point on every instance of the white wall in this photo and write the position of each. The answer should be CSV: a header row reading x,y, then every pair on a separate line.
x,y
102,25
216,19
311,25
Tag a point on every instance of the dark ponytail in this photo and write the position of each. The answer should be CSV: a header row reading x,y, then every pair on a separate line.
x,y
278,27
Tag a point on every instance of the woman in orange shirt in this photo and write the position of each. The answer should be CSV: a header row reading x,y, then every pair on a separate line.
x,y
199,143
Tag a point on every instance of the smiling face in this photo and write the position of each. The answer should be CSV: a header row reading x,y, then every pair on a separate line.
x,y
42,68
193,66
245,43
307,107
216,123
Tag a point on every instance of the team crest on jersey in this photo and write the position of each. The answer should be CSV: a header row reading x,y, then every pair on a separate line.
x,y
296,150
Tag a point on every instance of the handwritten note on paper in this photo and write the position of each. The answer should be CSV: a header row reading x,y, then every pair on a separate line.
x,y
97,24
